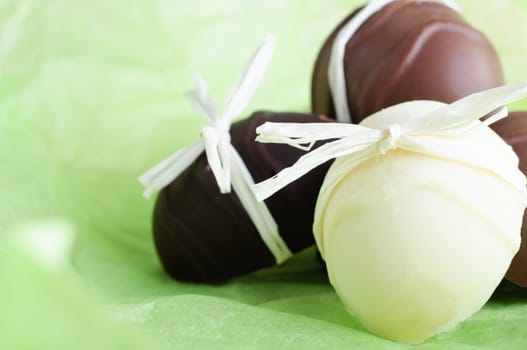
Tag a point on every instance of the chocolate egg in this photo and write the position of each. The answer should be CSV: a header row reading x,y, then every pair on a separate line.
x,y
204,236
415,244
408,50
513,130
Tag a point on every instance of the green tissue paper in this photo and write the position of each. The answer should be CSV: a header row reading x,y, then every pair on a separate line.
x,y
92,95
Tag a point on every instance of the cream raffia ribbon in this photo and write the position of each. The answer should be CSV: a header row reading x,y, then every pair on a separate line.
x,y
336,76
225,163
438,134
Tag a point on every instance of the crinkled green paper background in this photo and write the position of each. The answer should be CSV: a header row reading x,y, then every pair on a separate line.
x,y
91,95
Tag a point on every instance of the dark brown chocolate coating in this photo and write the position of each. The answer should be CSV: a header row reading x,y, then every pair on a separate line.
x,y
204,236
408,51
513,130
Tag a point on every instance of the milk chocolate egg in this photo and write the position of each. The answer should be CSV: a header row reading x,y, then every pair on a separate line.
x,y
513,130
409,50
202,235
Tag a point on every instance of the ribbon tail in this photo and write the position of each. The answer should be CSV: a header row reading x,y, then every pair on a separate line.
x,y
225,153
202,100
249,79
166,171
464,112
260,215
211,139
499,115
493,118
298,134
308,162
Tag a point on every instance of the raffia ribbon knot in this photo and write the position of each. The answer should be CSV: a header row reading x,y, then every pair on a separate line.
x,y
224,161
391,135
437,133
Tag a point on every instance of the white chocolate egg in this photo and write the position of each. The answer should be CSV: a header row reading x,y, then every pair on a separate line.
x,y
414,243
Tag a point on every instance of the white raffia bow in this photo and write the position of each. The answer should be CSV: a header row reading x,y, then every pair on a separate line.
x,y
424,135
225,163
336,76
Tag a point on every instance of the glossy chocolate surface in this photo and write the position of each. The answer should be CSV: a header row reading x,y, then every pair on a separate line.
x,y
204,236
513,130
409,50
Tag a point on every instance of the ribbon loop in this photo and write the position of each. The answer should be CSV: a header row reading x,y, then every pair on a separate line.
x,y
215,135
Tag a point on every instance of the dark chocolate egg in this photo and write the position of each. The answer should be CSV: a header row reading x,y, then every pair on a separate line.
x,y
513,130
409,50
204,236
